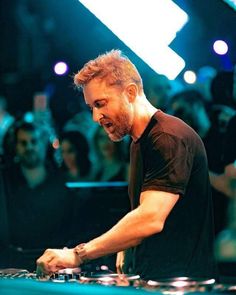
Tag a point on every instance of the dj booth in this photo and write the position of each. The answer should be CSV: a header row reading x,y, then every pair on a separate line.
x,y
111,201
73,281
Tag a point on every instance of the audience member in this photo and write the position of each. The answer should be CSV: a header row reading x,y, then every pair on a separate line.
x,y
226,182
111,164
222,89
158,89
190,106
76,164
204,79
6,120
36,201
83,123
221,112
225,246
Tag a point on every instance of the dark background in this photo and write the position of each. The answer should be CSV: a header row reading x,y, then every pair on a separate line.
x,y
36,34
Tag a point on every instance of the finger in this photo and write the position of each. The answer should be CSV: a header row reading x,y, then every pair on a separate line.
x,y
42,264
47,256
42,270
55,264
39,271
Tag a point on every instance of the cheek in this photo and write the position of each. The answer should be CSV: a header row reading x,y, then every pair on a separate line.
x,y
69,157
19,150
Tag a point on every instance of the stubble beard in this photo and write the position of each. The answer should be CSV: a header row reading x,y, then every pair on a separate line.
x,y
31,161
122,127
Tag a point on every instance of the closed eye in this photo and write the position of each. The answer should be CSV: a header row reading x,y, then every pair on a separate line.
x,y
100,103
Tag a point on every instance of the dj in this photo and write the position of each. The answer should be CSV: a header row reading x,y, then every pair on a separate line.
x,y
170,228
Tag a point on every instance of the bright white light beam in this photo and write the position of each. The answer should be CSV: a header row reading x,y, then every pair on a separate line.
x,y
147,27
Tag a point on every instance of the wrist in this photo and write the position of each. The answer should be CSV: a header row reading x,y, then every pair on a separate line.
x,y
81,253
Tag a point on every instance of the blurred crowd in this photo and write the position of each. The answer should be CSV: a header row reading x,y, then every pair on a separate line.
x,y
38,159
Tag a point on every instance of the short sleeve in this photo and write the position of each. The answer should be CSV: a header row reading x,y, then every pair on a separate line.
x,y
168,164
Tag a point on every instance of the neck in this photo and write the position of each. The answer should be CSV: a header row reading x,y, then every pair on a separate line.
x,y
143,112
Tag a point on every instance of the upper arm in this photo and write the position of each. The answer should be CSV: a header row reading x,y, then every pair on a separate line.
x,y
157,205
168,164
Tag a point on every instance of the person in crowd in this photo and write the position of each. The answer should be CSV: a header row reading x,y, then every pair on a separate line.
x,y
221,111
190,106
83,123
111,158
76,164
36,201
222,88
225,183
170,226
205,75
6,120
158,89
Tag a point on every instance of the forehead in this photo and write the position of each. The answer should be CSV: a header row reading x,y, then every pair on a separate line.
x,y
98,89
27,134
66,143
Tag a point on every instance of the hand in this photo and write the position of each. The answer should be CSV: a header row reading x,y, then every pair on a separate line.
x,y
53,260
120,257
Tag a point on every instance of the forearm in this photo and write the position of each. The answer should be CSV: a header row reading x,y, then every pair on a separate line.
x,y
146,220
128,232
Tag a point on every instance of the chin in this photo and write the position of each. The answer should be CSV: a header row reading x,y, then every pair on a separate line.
x,y
115,138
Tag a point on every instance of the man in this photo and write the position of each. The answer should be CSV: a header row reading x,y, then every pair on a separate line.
x,y
31,190
170,227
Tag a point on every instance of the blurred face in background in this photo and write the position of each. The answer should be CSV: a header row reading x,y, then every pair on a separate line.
x,y
183,110
30,148
192,113
105,145
158,91
69,154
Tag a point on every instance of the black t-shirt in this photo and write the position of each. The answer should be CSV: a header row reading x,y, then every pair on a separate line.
x,y
170,157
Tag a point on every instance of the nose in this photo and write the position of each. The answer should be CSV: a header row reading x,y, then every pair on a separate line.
x,y
29,145
96,115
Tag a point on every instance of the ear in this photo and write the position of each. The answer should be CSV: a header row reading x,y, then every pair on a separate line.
x,y
132,91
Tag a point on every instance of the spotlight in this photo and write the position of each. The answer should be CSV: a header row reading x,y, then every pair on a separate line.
x,y
220,47
190,77
60,68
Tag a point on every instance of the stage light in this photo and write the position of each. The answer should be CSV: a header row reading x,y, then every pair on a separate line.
x,y
28,117
220,47
190,77
147,29
60,68
231,3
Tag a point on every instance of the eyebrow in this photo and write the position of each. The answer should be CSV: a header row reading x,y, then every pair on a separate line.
x,y
95,101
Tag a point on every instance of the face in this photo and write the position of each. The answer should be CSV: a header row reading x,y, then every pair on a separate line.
x,y
106,147
30,148
159,92
184,111
111,108
69,154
